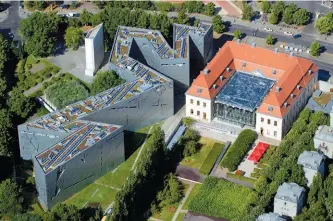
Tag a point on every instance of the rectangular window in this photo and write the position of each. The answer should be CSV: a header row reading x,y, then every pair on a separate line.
x,y
262,120
198,103
204,116
275,133
191,101
204,104
275,123
191,111
198,113
268,121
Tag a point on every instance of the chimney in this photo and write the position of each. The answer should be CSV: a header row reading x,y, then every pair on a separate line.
x,y
276,50
205,71
277,89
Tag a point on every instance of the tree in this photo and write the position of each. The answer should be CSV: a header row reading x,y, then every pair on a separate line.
x,y
288,14
218,24
85,17
64,212
154,22
105,80
301,17
325,24
278,7
10,198
20,104
172,192
266,6
238,34
191,148
247,12
315,48
270,40
40,45
273,18
210,9
6,132
73,37
143,21
182,18
28,217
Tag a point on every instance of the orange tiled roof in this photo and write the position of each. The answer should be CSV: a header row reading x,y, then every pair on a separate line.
x,y
289,71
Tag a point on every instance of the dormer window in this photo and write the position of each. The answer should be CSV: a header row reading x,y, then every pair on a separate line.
x,y
274,72
199,90
222,78
310,71
285,104
298,87
214,86
206,71
277,89
228,69
243,64
292,95
270,108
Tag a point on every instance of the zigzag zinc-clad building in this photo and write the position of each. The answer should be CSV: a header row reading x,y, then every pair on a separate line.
x,y
253,87
72,147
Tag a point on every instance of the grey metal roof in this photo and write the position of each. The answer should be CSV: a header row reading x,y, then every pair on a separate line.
x,y
310,159
324,133
270,217
244,91
313,105
289,192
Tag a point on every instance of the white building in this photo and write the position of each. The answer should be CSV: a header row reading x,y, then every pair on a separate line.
x,y
251,86
270,217
323,140
312,163
289,199
94,46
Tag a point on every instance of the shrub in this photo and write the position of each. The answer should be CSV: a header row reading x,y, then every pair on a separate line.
x,y
55,70
64,93
238,149
105,80
29,66
188,122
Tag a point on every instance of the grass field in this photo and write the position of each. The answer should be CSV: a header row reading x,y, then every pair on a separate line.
x,y
198,160
193,193
168,212
210,160
180,216
93,194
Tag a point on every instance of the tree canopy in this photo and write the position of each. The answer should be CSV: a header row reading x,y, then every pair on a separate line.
x,y
315,48
10,198
6,133
247,12
266,6
105,80
324,24
218,24
64,212
74,37
270,40
210,9
19,104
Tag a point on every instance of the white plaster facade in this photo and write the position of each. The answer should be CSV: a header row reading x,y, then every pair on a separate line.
x,y
199,108
289,200
94,47
269,126
323,140
312,163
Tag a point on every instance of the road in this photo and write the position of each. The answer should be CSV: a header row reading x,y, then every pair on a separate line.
x,y
11,24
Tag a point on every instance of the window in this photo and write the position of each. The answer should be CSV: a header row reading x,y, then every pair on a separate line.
x,y
275,123
268,121
204,116
275,133
198,113
191,101
262,120
198,103
191,111
204,104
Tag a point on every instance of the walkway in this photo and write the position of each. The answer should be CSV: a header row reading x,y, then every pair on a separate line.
x,y
179,209
38,86
169,125
108,186
142,147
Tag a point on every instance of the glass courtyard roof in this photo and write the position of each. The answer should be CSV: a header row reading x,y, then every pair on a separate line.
x,y
244,91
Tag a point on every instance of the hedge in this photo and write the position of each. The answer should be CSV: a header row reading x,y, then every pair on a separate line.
x,y
238,149
222,199
211,158
241,178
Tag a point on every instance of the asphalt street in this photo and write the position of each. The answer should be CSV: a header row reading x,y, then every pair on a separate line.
x,y
11,24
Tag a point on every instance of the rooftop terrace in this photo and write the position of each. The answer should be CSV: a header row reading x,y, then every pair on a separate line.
x,y
87,134
244,91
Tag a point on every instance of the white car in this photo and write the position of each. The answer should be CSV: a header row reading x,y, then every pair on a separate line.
x,y
288,33
268,29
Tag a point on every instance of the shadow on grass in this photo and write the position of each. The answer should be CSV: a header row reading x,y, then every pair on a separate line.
x,y
133,140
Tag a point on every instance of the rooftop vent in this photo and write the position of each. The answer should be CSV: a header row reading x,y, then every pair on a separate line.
x,y
206,71
277,89
244,64
214,86
298,87
276,50
253,45
292,95
270,108
228,69
285,104
222,78
274,72
199,90
291,54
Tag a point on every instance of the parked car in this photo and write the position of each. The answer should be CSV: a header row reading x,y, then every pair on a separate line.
x,y
268,29
288,33
297,36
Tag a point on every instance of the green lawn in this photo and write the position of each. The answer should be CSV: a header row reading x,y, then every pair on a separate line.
x,y
180,216
193,193
30,60
36,209
168,212
92,194
196,161
210,160
222,199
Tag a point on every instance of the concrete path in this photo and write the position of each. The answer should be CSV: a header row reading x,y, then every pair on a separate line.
x,y
179,209
170,124
189,173
142,147
154,219
108,186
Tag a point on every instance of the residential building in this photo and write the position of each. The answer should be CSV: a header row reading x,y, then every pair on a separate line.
x,y
251,86
270,217
323,140
312,163
289,200
94,47
321,101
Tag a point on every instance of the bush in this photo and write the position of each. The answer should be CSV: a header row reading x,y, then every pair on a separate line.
x,y
105,80
29,66
65,93
238,149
